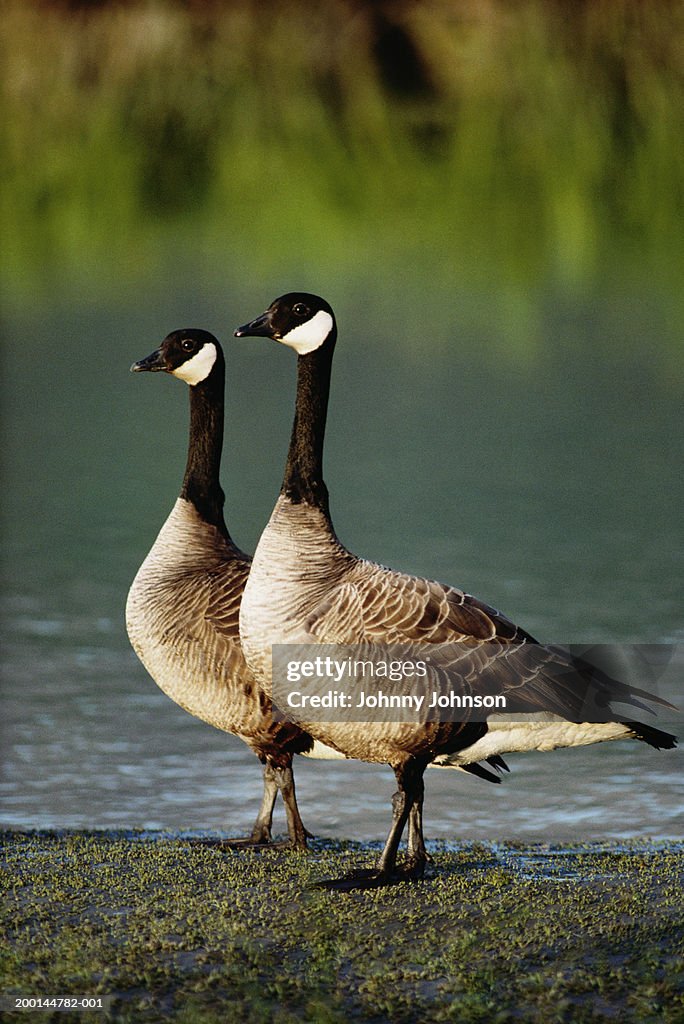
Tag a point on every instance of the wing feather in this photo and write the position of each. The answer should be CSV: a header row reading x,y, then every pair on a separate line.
x,y
477,645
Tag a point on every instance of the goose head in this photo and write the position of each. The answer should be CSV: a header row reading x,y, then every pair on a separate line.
x,y
302,321
189,354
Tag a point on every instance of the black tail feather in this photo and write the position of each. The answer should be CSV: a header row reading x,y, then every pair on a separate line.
x,y
654,737
482,773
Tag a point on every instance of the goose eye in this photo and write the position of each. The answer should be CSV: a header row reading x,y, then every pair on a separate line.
x,y
187,344
299,309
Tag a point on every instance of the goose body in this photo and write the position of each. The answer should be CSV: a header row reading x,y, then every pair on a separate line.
x,y
193,656
182,611
305,587
327,595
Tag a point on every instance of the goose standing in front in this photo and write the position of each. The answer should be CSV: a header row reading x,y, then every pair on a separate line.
x,y
183,606
305,587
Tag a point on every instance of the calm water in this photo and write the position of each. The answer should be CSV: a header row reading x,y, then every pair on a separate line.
x,y
549,486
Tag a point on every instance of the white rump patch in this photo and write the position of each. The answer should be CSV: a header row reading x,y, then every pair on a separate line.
x,y
199,367
532,732
309,336
321,752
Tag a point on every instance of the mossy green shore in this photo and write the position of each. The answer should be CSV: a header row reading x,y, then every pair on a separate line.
x,y
175,928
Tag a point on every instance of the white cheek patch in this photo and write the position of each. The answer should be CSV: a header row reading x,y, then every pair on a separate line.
x,y
199,367
311,335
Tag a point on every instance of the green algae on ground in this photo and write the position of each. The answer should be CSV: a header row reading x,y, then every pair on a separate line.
x,y
179,929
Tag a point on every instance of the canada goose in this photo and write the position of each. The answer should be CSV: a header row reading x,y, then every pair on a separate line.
x,y
182,608
306,588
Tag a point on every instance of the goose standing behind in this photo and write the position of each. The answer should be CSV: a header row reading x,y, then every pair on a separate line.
x,y
183,606
306,588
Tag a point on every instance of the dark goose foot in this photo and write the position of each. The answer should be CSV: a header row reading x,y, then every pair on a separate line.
x,y
256,843
276,780
374,878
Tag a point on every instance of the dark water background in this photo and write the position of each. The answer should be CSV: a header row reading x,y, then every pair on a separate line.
x,y
551,491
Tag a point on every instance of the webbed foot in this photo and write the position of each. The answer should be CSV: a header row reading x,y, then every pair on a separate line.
x,y
257,844
375,878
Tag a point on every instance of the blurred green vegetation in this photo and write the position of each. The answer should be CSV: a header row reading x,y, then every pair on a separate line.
x,y
519,149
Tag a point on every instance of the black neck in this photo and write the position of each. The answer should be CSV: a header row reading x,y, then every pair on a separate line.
x,y
303,480
201,481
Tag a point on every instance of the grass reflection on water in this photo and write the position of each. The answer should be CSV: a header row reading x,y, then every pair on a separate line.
x,y
514,151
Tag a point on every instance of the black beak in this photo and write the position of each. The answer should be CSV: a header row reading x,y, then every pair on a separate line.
x,y
259,328
154,362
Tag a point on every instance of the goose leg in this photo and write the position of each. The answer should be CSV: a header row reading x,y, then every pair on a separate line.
x,y
407,805
260,836
416,852
295,826
276,780
261,833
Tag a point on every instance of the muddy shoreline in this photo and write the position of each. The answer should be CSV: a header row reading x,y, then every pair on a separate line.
x,y
176,927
